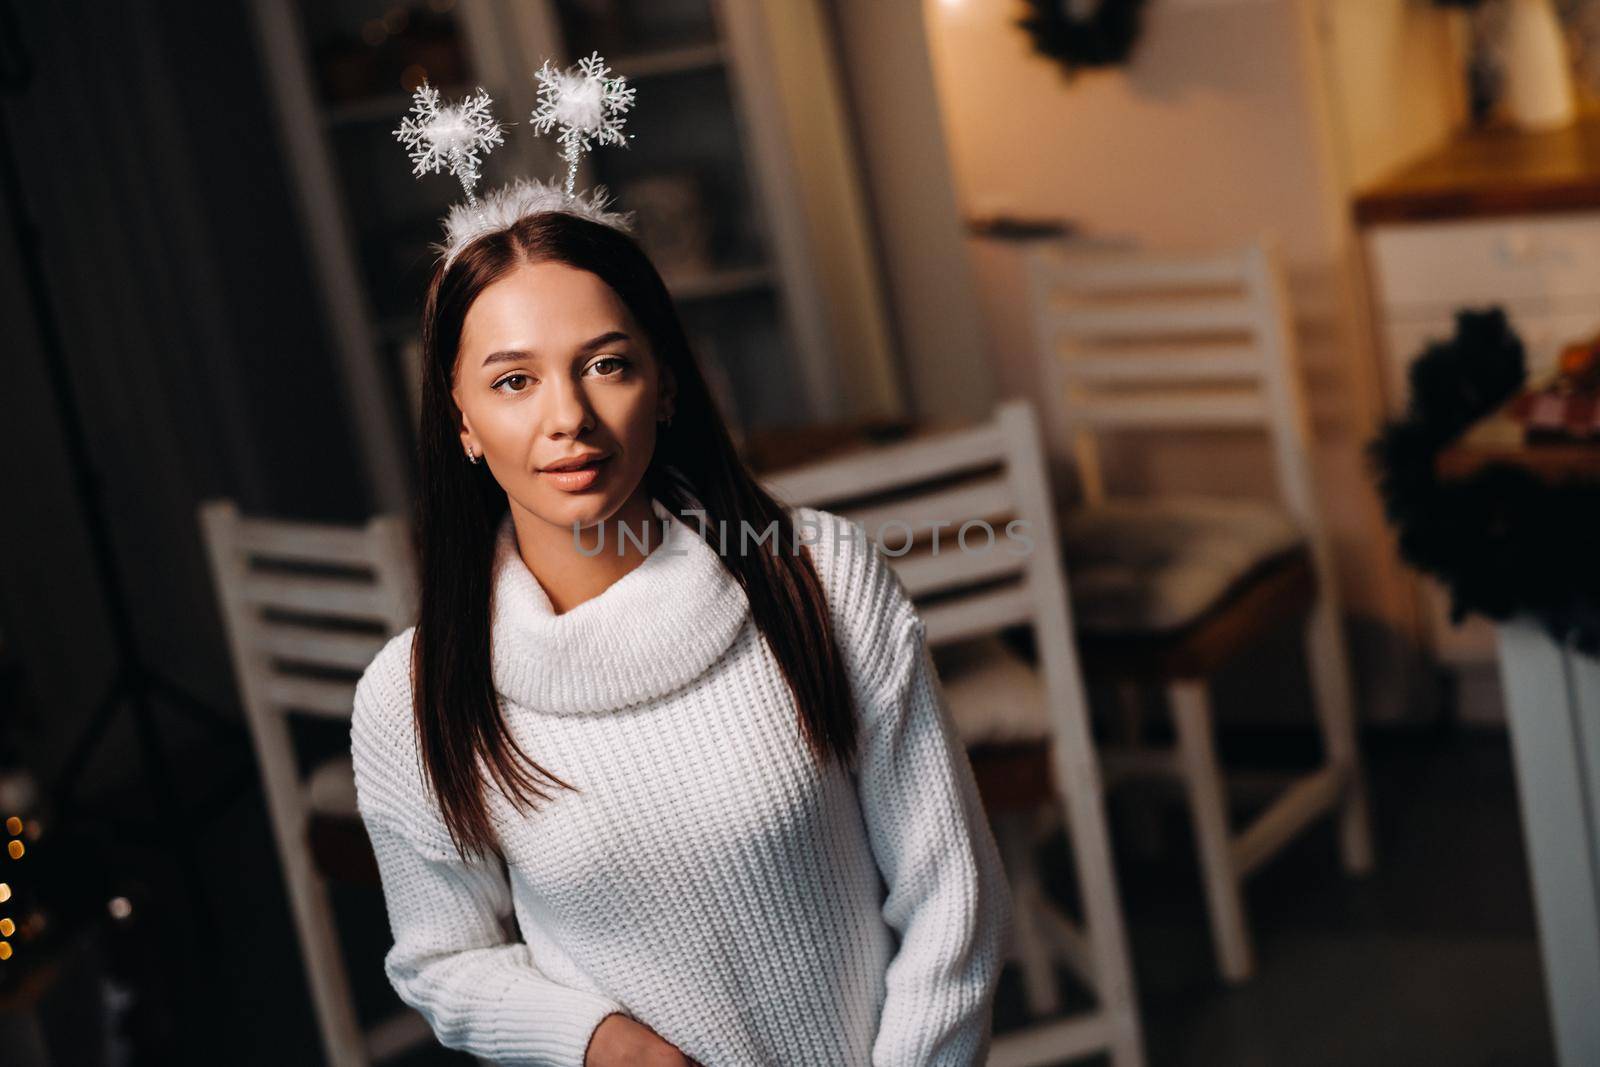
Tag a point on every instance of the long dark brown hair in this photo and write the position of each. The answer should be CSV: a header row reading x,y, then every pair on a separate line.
x,y
460,506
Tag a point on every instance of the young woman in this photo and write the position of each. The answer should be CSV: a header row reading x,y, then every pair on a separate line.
x,y
647,784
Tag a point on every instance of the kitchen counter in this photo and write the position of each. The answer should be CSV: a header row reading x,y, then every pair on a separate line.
x,y
1493,172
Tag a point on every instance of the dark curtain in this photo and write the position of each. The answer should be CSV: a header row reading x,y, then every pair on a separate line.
x,y
150,163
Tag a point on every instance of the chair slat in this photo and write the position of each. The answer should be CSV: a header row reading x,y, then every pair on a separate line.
x,y
305,542
891,466
315,595
1152,318
980,499
1167,408
1132,366
303,644
314,696
972,616
930,573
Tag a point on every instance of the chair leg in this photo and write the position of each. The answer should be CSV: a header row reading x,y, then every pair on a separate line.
x,y
1335,707
1127,1047
343,1039
1015,836
342,1036
1208,807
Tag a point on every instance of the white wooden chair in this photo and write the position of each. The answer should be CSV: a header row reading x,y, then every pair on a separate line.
x,y
1026,729
1167,590
306,607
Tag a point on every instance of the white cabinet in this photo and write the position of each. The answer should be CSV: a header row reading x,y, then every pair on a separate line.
x,y
1533,261
1544,271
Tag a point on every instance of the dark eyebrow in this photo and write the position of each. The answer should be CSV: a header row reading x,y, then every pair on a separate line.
x,y
511,355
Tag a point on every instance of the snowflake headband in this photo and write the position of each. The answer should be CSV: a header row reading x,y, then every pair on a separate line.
x,y
587,105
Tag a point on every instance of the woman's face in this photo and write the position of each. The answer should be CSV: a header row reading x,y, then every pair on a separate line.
x,y
552,368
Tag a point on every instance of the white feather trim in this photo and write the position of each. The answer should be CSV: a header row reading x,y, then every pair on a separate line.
x,y
504,207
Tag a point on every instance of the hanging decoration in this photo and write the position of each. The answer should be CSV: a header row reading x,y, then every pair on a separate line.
x,y
1081,34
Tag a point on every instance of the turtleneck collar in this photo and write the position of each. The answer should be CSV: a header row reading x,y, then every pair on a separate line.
x,y
650,632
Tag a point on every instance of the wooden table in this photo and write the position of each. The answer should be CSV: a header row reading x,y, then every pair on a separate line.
x,y
1498,440
1497,171
1552,697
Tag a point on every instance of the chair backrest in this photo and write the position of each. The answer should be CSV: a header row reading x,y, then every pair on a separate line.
x,y
307,606
993,473
1134,339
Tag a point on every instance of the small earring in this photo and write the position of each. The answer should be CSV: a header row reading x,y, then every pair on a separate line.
x,y
471,455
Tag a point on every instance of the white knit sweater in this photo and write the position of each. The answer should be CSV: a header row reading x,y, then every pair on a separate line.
x,y
708,880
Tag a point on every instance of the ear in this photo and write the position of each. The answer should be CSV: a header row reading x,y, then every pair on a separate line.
x,y
469,440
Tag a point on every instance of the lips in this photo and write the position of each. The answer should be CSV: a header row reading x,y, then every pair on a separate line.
x,y
575,476
577,463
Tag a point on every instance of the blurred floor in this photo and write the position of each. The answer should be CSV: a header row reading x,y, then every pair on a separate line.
x,y
1431,960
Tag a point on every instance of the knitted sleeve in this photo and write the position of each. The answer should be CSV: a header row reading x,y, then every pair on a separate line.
x,y
451,960
947,895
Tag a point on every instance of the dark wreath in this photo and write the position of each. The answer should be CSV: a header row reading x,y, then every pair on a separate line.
x,y
1502,540
1102,39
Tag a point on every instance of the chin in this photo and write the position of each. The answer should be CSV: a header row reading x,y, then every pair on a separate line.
x,y
584,509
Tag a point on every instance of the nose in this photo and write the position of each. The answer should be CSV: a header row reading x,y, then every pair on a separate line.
x,y
567,413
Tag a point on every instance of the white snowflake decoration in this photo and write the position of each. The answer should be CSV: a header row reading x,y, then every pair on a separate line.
x,y
455,137
586,105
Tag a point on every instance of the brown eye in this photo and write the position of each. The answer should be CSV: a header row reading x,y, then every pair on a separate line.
x,y
511,378
617,362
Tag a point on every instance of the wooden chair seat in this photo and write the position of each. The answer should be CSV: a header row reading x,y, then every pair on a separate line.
x,y
1279,591
997,704
1145,565
340,849
335,833
1013,775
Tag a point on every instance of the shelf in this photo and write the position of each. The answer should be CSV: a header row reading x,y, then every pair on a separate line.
x,y
718,283
661,61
